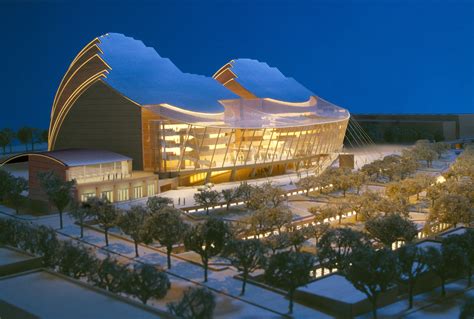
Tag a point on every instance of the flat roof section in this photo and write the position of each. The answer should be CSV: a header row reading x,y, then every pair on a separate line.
x,y
10,256
335,287
80,157
49,295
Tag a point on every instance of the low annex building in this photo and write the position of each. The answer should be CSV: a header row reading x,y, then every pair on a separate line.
x,y
98,173
247,121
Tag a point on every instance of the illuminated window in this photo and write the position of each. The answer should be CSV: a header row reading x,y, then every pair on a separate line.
x,y
85,196
108,195
151,189
122,194
138,192
197,177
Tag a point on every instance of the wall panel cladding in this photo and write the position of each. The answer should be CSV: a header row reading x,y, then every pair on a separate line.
x,y
101,118
37,164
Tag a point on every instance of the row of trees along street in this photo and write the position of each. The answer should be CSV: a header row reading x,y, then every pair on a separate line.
x,y
27,136
363,256
140,281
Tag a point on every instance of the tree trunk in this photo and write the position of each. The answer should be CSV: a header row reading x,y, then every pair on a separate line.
x,y
227,207
205,269
207,210
290,296
410,295
168,255
340,219
82,230
106,236
60,219
136,248
443,289
374,307
469,274
244,282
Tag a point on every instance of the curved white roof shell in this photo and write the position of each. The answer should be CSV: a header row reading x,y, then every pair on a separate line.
x,y
139,73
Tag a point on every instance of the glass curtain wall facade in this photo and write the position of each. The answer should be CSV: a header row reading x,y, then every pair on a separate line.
x,y
185,149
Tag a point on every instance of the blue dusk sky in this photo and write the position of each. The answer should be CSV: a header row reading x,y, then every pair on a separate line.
x,y
384,56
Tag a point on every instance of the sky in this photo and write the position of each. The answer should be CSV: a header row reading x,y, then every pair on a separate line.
x,y
369,56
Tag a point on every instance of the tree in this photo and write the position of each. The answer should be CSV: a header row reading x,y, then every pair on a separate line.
x,y
245,191
17,185
445,262
6,139
36,137
25,136
397,205
373,169
245,255
467,309
155,203
109,275
412,264
289,270
359,178
342,180
266,196
371,272
43,138
132,223
207,239
452,209
336,245
466,242
74,261
167,227
5,183
306,183
58,191
397,190
278,217
207,198
267,219
229,196
433,192
390,228
276,242
408,164
80,212
146,282
365,205
296,237
196,303
340,209
106,215
423,150
317,231
322,213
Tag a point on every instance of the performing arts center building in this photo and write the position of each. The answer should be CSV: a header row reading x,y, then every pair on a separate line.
x,y
247,121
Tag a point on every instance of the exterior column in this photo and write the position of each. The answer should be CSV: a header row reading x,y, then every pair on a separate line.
x,y
114,193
